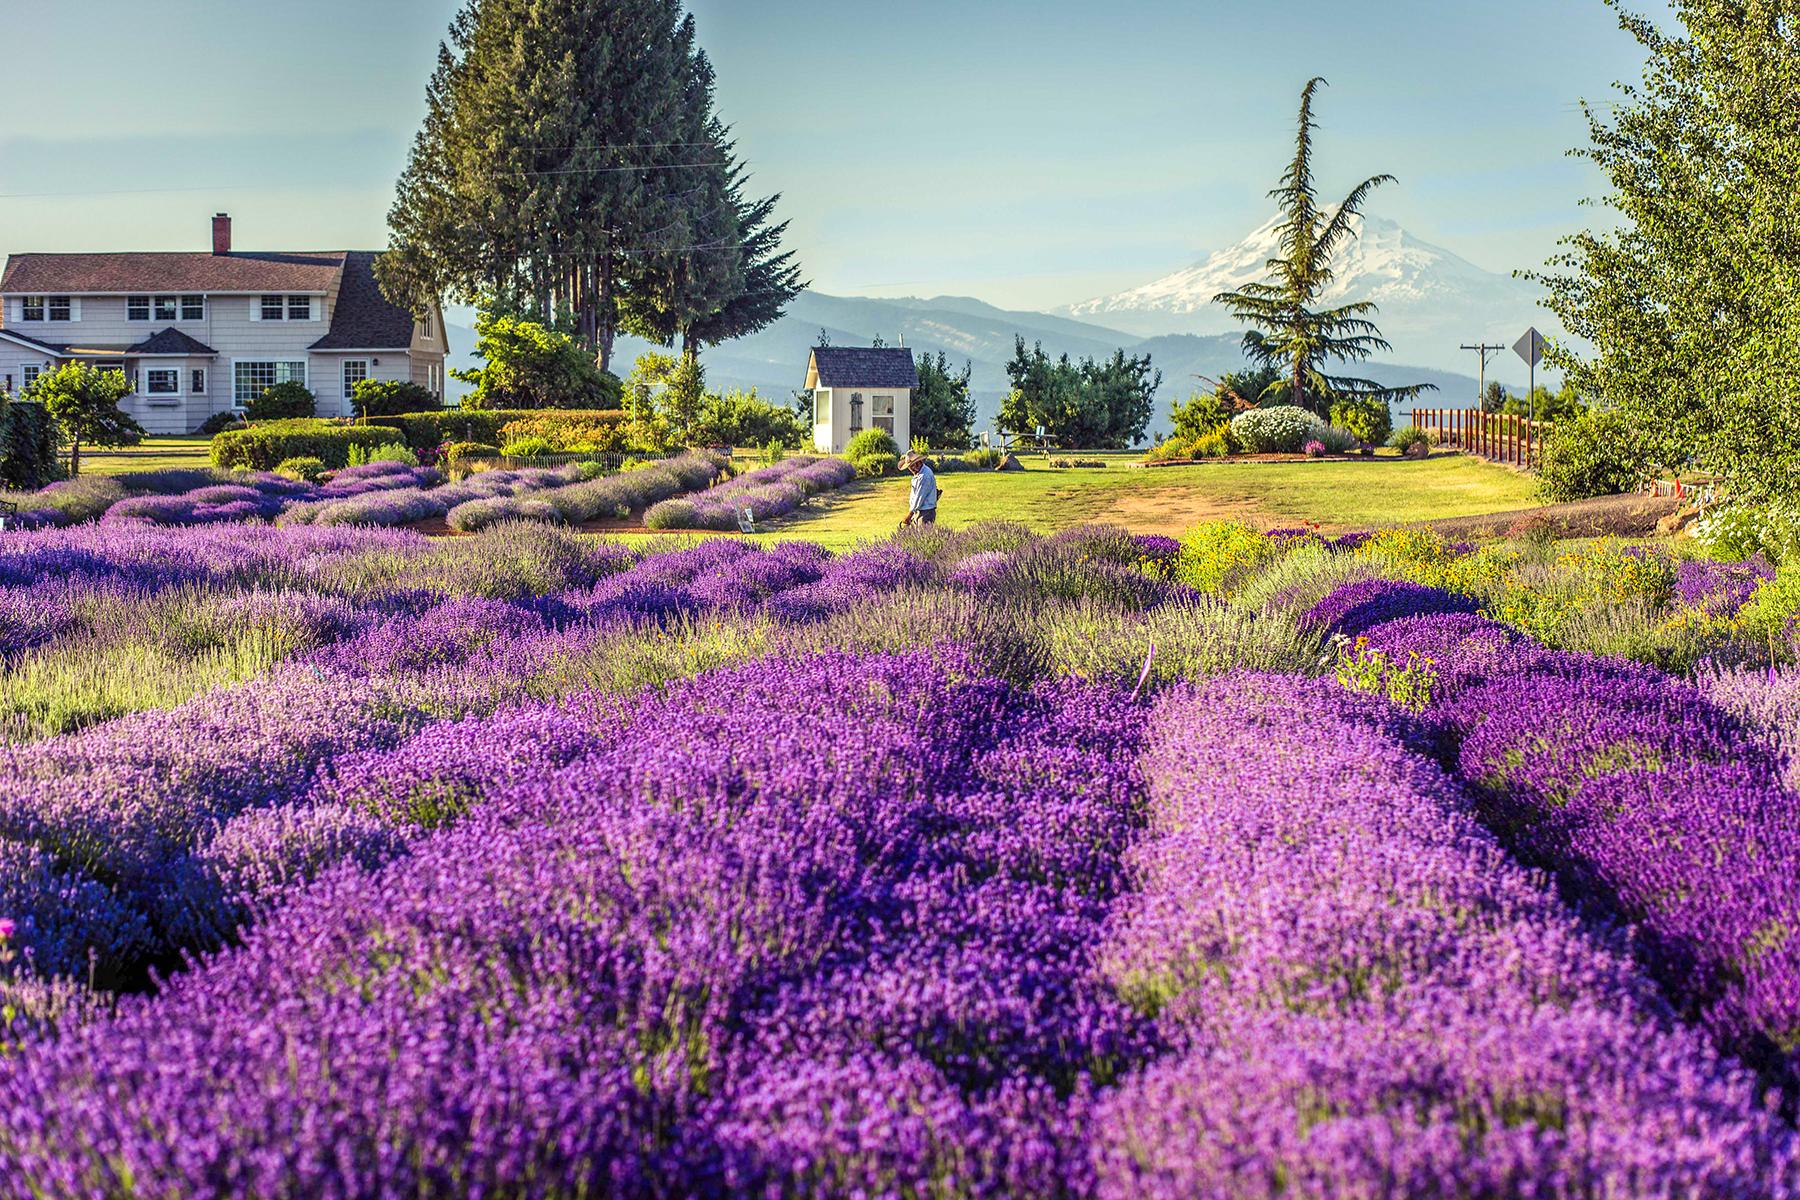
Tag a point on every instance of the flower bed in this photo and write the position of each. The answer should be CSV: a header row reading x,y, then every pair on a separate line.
x,y
765,493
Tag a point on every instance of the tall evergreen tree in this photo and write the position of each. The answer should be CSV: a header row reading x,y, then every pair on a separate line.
x,y
570,168
1288,329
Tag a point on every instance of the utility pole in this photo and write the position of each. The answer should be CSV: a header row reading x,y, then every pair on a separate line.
x,y
1487,352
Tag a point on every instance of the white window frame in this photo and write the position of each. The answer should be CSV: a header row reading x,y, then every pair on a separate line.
x,y
168,304
198,307
821,406
261,310
71,311
137,308
276,376
29,374
299,308
174,379
362,364
197,381
28,303
876,416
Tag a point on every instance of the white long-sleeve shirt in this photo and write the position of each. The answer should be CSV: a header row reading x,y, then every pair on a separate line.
x,y
924,490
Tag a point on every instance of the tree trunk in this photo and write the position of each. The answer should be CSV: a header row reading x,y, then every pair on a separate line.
x,y
603,306
74,457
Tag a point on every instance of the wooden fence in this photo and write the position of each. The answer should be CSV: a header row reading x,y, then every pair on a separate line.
x,y
1499,437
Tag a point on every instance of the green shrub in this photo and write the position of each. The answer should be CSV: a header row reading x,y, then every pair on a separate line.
x,y
1407,437
263,447
392,452
427,430
391,398
283,402
1736,531
526,366
871,441
746,419
1283,429
1212,445
461,452
1366,418
219,423
303,467
568,433
1596,454
28,445
772,453
876,465
1174,449
529,447
1336,440
984,459
1220,556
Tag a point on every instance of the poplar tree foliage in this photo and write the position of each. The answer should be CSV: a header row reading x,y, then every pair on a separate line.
x,y
943,411
571,169
1096,404
1289,330
1691,298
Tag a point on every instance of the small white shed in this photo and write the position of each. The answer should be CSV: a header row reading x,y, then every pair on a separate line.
x,y
856,388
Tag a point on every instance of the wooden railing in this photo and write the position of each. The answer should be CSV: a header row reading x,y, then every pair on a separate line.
x,y
1499,437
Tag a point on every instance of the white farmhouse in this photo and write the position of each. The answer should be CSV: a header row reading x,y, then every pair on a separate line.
x,y
858,388
202,333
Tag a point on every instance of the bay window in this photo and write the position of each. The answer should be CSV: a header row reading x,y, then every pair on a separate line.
x,y
162,381
251,379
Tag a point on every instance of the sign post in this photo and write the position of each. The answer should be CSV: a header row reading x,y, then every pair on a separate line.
x,y
1531,348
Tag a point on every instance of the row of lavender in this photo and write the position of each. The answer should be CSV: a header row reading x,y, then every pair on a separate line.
x,y
1648,801
880,926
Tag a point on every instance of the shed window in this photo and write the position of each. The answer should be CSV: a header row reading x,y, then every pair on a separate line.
x,y
883,409
822,407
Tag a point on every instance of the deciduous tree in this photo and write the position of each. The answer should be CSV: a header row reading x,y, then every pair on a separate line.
x,y
84,401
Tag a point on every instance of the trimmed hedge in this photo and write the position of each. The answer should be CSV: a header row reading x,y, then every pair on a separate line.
x,y
265,446
428,430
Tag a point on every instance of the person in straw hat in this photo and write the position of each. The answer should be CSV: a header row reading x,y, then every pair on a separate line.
x,y
922,508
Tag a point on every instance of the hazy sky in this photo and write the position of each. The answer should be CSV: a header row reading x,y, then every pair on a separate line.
x,y
1029,152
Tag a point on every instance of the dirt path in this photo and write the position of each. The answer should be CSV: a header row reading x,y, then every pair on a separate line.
x,y
1603,516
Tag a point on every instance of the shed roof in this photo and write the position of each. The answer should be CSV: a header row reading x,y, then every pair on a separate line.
x,y
865,366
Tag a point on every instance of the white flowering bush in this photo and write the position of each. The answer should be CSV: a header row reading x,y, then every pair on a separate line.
x,y
1283,429
1736,531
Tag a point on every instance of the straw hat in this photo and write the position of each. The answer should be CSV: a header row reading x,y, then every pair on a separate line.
x,y
911,458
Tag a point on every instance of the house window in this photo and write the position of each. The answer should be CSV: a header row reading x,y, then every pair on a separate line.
x,y
193,308
198,381
137,308
822,407
883,414
162,381
299,308
272,308
166,308
425,333
251,379
28,375
61,309
33,309
355,371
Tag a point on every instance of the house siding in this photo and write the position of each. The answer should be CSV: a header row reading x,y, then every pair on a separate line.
x,y
327,373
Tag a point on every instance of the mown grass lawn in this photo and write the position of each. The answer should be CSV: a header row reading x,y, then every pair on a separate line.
x,y
1337,495
151,454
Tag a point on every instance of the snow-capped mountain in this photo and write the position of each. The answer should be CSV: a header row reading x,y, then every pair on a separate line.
x,y
1431,299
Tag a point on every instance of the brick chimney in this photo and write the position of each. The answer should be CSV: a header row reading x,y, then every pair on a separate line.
x,y
222,233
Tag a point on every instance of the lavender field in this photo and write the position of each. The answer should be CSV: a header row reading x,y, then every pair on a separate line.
x,y
338,861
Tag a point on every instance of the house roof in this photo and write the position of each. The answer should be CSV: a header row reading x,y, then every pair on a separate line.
x,y
365,319
34,343
863,366
170,341
196,271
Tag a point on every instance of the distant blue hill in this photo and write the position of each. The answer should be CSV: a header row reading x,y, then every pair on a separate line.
x,y
773,360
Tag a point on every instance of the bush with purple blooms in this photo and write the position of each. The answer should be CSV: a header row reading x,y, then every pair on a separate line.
x,y
968,862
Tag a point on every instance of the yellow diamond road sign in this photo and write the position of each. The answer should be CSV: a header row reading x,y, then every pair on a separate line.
x,y
1531,347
